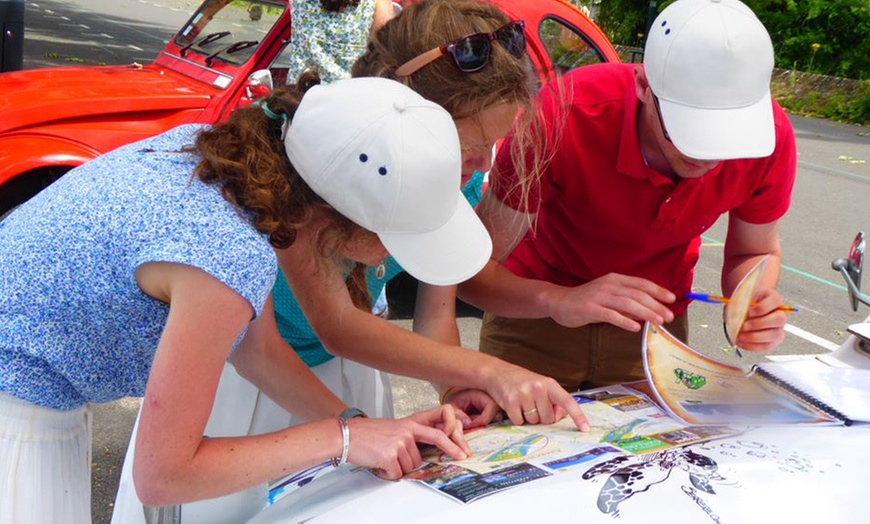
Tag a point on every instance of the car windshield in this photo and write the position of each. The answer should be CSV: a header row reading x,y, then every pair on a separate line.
x,y
228,30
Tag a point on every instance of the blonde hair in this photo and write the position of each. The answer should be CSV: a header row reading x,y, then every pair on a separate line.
x,y
505,79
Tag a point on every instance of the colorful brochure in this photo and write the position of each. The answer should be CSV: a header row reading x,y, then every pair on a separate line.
x,y
623,421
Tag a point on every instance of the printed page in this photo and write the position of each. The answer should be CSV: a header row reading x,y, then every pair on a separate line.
x,y
699,390
623,422
737,308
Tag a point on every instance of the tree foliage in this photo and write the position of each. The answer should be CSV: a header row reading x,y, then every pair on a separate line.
x,y
624,21
819,36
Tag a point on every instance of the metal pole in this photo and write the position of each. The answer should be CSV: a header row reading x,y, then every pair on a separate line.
x,y
12,41
651,13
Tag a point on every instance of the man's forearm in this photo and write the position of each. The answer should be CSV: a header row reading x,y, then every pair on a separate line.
x,y
735,267
499,291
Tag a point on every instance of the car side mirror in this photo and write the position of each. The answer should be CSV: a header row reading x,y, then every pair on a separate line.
x,y
851,269
259,84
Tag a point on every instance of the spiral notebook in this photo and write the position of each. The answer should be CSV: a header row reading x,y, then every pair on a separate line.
x,y
700,390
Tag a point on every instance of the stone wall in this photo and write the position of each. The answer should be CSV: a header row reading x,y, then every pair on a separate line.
x,y
797,84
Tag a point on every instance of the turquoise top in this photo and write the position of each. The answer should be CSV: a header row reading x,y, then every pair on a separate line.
x,y
292,324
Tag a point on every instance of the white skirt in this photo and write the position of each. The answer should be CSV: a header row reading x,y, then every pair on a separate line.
x,y
45,464
240,409
357,385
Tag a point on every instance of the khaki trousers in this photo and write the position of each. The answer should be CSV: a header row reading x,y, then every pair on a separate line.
x,y
578,358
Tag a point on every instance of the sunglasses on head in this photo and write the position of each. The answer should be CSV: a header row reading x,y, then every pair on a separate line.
x,y
470,53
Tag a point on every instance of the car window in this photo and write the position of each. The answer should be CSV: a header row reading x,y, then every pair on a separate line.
x,y
229,30
281,65
567,46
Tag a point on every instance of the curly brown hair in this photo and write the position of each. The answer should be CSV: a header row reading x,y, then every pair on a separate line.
x,y
245,156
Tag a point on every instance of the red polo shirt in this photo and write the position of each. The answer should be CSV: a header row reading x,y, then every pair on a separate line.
x,y
602,210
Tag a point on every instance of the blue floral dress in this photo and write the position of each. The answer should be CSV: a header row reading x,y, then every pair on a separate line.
x,y
327,42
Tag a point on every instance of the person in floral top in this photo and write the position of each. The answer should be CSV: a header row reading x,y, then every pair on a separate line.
x,y
329,35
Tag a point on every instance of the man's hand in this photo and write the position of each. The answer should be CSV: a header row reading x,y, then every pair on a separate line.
x,y
764,327
621,300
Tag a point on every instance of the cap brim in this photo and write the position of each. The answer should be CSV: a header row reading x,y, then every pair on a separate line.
x,y
721,134
446,256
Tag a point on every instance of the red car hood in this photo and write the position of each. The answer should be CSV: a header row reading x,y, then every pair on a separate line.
x,y
31,98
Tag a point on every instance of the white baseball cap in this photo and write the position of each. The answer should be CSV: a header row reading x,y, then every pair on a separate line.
x,y
709,63
390,161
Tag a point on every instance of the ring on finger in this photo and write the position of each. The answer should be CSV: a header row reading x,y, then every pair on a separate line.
x,y
530,412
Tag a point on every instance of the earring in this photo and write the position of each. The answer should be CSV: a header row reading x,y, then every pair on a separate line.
x,y
381,271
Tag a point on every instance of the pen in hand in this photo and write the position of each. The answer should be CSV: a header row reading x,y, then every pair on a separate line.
x,y
715,299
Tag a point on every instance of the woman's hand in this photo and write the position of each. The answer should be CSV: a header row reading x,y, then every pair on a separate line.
x,y
389,446
448,419
480,407
528,397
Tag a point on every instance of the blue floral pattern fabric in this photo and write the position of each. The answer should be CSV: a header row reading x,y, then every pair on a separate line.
x,y
291,321
326,41
74,326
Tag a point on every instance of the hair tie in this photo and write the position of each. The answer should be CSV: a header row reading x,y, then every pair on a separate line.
x,y
274,116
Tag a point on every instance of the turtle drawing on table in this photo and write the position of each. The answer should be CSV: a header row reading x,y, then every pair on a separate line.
x,y
629,475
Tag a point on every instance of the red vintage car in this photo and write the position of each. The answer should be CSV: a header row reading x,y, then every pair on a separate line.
x,y
225,54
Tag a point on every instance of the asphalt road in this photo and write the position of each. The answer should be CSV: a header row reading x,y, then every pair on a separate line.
x,y
96,32
829,206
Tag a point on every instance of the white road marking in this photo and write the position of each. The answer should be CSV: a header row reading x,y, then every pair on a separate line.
x,y
62,41
787,358
815,339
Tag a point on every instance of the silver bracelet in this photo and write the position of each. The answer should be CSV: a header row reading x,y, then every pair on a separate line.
x,y
345,443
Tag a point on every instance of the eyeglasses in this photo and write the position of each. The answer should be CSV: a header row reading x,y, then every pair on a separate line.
x,y
470,53
661,120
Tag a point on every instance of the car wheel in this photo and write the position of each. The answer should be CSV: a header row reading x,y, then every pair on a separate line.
x,y
24,186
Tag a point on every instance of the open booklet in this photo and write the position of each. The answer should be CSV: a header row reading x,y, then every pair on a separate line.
x,y
700,390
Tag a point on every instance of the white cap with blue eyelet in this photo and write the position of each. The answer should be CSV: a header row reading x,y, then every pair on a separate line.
x,y
709,63
390,161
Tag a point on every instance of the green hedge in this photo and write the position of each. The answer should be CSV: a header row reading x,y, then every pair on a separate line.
x,y
826,37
